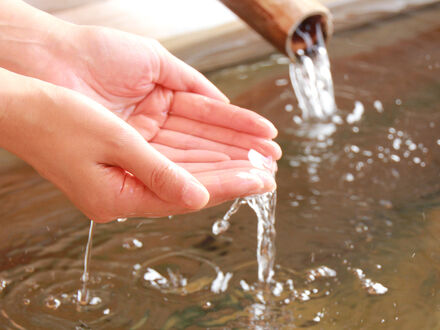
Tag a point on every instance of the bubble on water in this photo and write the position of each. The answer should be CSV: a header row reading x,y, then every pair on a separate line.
x,y
3,284
416,160
396,143
355,149
95,301
207,305
288,107
106,311
132,244
438,142
378,106
398,102
395,158
297,120
281,82
26,301
52,302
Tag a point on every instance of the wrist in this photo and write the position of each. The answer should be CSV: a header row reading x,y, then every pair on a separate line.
x,y
32,42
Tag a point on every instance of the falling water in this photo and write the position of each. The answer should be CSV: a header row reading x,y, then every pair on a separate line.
x,y
264,207
310,73
83,293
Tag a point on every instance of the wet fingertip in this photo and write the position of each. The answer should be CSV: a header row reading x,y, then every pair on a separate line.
x,y
267,178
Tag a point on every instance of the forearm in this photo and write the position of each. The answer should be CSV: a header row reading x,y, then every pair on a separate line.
x,y
31,41
18,107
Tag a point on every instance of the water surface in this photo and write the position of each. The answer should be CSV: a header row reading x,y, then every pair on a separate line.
x,y
358,200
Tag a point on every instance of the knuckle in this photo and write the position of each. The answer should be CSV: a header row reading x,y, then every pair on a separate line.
x,y
160,178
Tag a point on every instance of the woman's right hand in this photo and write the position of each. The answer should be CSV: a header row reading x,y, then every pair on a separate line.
x,y
103,164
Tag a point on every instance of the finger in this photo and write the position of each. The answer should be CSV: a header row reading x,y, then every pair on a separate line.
x,y
190,156
187,142
174,74
127,196
229,164
225,185
210,111
223,135
209,167
164,178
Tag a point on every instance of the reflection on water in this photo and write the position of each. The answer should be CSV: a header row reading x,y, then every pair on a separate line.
x,y
358,214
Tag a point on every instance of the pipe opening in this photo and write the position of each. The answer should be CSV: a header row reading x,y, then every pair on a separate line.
x,y
303,38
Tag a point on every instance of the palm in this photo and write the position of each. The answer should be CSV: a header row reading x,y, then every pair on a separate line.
x,y
162,99
173,107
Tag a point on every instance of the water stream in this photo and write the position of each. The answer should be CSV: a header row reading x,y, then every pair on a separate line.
x,y
83,293
310,74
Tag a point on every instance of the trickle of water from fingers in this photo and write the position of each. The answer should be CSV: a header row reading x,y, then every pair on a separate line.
x,y
83,293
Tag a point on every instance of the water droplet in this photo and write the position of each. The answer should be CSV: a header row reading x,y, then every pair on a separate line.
x,y
349,177
395,158
357,113
95,301
281,82
52,303
297,120
378,106
220,226
132,244
207,305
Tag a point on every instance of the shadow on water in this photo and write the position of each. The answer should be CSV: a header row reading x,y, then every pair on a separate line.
x,y
358,200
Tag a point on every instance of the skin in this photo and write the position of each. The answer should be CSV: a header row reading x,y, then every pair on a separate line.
x,y
120,125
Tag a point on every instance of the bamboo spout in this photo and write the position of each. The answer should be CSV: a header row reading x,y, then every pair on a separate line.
x,y
277,20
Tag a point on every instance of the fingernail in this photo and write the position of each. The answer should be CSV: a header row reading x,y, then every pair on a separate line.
x,y
195,196
268,124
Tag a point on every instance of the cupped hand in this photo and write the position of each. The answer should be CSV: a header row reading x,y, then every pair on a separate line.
x,y
170,104
106,167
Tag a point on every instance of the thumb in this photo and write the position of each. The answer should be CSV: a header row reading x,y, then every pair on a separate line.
x,y
170,182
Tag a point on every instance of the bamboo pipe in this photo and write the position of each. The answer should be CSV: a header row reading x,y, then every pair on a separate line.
x,y
277,20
